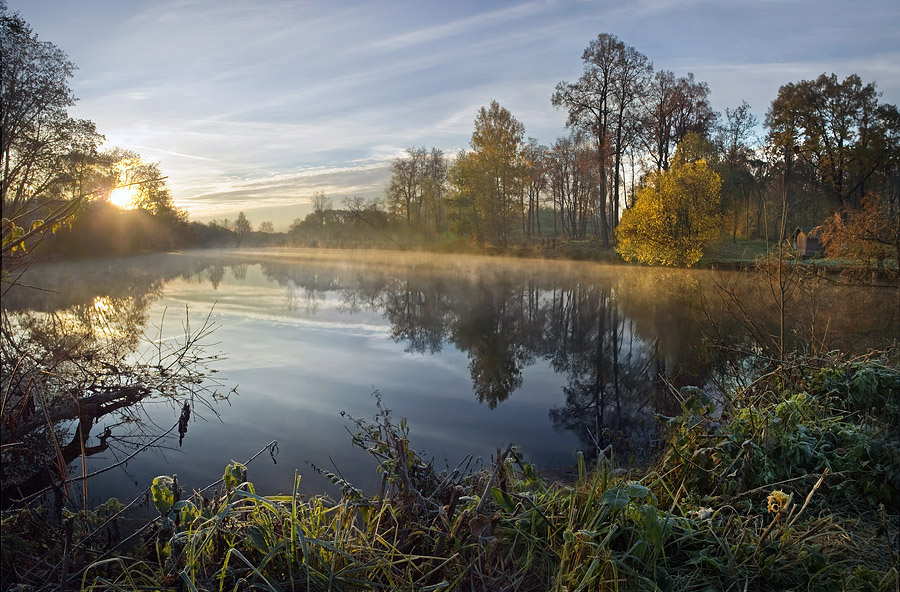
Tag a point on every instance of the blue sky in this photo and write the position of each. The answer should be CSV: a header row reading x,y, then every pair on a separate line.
x,y
253,105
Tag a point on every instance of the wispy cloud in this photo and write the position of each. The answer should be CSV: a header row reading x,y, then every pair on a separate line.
x,y
150,150
465,26
291,190
255,104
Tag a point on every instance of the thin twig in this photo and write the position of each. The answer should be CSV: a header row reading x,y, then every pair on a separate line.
x,y
809,497
272,447
773,485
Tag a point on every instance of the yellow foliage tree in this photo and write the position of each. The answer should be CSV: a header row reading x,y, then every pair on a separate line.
x,y
489,179
675,215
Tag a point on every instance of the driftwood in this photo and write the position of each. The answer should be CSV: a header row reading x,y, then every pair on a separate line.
x,y
92,406
14,492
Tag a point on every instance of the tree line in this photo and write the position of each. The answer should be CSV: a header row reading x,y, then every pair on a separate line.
x,y
58,183
646,166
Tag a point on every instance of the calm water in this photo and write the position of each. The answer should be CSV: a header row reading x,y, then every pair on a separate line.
x,y
475,352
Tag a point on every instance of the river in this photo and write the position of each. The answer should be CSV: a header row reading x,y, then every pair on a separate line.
x,y
474,352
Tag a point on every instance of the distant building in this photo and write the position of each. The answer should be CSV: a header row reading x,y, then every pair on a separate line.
x,y
807,244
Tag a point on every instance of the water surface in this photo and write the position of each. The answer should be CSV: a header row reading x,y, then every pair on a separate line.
x,y
475,352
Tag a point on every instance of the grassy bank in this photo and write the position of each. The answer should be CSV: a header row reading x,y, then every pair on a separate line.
x,y
792,482
724,255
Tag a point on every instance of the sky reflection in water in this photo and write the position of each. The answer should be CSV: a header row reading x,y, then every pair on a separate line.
x,y
476,353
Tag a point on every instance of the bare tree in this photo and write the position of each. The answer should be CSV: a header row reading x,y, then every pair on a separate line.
x,y
434,189
602,103
406,188
536,181
633,75
573,184
321,203
673,108
589,102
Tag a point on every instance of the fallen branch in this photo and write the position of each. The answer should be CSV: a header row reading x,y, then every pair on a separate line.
x,y
74,408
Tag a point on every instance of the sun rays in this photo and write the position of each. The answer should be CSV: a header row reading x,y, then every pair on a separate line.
x,y
124,197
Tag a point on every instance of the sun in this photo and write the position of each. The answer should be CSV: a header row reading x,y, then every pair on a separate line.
x,y
123,197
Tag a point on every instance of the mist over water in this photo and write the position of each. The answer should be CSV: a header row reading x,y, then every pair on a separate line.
x,y
476,352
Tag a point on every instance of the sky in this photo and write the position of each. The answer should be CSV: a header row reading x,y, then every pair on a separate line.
x,y
254,105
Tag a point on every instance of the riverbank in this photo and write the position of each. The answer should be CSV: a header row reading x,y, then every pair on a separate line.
x,y
725,255
791,482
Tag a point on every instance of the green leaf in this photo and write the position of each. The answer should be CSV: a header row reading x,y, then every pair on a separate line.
x,y
257,539
162,491
503,500
637,491
615,497
235,474
187,512
653,528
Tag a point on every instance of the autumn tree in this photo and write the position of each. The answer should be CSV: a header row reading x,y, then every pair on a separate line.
x,y
870,233
267,227
51,164
489,179
675,214
470,185
842,140
145,182
36,132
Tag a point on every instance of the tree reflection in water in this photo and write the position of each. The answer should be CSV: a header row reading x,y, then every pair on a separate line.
x,y
489,328
613,374
83,361
623,337
619,336
503,322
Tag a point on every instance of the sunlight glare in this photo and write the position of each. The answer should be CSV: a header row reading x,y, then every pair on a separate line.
x,y
102,304
123,197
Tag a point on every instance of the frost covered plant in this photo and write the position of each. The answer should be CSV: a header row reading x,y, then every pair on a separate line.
x,y
778,502
163,493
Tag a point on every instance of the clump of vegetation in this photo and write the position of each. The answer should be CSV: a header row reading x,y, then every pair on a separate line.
x,y
675,215
870,234
791,426
792,484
